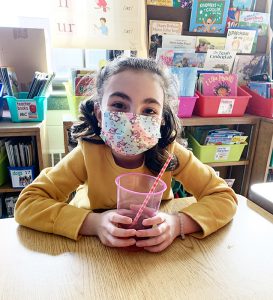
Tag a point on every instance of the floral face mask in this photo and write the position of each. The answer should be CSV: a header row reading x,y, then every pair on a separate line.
x,y
128,133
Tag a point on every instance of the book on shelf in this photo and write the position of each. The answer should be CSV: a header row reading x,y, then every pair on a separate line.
x,y
9,80
240,40
220,59
187,79
83,81
179,42
165,56
160,2
204,43
40,84
244,4
246,66
233,17
261,88
209,16
219,84
157,29
182,59
255,20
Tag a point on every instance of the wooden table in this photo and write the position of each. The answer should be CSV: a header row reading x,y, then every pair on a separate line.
x,y
234,263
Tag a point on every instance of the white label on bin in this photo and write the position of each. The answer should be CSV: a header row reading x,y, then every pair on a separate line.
x,y
222,153
27,110
226,106
21,178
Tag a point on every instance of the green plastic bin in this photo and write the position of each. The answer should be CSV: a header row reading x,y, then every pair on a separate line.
x,y
3,168
216,153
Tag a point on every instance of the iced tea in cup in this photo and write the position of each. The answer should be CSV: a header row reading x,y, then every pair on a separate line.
x,y
132,190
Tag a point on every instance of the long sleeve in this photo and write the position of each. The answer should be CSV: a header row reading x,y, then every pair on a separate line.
x,y
216,202
43,204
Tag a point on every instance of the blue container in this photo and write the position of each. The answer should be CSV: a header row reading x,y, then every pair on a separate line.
x,y
21,176
27,110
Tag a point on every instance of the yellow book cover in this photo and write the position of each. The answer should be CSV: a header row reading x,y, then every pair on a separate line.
x,y
160,2
204,43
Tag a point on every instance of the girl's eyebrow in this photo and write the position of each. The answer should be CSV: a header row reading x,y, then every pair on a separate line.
x,y
126,97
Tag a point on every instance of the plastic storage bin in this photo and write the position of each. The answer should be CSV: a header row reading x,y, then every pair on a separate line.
x,y
217,106
186,106
27,110
21,176
73,101
3,168
216,153
258,105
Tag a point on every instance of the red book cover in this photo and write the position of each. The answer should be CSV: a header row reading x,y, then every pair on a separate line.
x,y
220,84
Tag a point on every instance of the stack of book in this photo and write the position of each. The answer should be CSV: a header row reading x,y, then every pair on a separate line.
x,y
9,80
212,135
261,88
40,84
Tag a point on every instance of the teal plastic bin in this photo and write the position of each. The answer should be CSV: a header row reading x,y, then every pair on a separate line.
x,y
27,110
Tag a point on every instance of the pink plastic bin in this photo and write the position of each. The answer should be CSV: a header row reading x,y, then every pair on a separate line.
x,y
186,106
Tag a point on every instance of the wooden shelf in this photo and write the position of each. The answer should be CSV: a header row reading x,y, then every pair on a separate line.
x,y
229,164
200,121
7,188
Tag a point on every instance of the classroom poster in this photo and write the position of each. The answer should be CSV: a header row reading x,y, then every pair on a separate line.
x,y
98,24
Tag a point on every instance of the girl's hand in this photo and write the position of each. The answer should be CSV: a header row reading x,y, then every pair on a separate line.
x,y
160,236
105,226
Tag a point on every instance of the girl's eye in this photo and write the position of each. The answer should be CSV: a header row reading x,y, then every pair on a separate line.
x,y
119,105
149,111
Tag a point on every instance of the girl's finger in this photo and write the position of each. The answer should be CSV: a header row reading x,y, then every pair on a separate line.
x,y
116,242
158,219
151,241
121,232
155,231
116,218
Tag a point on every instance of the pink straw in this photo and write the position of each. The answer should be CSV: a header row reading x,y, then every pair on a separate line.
x,y
143,205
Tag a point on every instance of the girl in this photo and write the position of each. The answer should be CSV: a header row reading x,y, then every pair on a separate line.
x,y
132,99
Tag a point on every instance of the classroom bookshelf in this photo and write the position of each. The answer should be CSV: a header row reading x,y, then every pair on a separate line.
x,y
31,129
264,148
239,170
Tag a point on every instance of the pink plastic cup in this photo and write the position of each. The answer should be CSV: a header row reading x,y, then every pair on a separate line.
x,y
132,189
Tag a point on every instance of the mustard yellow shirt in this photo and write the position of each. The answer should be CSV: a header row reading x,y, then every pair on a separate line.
x,y
91,169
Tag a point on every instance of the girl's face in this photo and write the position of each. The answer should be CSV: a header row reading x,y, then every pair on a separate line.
x,y
136,92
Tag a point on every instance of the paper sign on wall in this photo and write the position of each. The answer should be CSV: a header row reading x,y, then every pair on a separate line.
x,y
225,106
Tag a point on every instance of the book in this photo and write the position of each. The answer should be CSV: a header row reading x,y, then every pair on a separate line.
x,y
219,84
204,43
233,17
261,88
209,16
222,59
165,56
182,3
182,59
256,20
244,4
160,2
157,29
240,40
178,41
246,66
9,79
187,78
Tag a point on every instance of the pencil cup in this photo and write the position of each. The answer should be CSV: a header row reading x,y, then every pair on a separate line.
x,y
132,190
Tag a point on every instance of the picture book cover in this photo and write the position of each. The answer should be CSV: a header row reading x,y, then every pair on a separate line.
x,y
246,66
160,2
256,20
187,78
165,56
233,17
220,84
178,41
157,29
182,60
220,59
261,88
240,40
244,4
204,43
182,3
209,16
